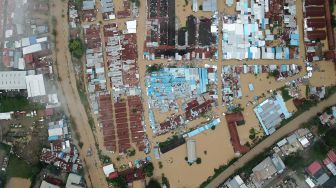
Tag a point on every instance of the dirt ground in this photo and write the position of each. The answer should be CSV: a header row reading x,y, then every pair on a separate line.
x,y
18,183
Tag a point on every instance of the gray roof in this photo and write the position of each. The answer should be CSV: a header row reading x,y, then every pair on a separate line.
x,y
210,5
88,5
13,80
107,6
322,179
74,181
264,170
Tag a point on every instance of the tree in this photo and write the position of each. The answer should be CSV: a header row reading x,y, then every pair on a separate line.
x,y
165,181
118,182
153,183
294,161
160,164
330,138
149,169
198,160
274,73
76,48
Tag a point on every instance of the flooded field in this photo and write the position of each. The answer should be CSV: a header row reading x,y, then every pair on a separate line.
x,y
18,183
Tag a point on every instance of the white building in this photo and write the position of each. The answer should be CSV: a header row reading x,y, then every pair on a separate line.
x,y
191,150
35,85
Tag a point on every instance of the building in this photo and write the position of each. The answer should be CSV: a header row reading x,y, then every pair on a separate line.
x,y
267,169
74,181
131,26
271,112
6,116
45,184
233,120
35,85
13,80
235,182
108,170
57,130
191,150
317,172
210,5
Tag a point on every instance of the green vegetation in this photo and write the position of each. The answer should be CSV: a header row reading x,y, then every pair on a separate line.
x,y
76,48
237,109
295,161
198,160
253,133
330,138
160,165
26,170
17,103
137,2
165,181
153,68
186,2
274,74
131,152
285,93
217,171
153,183
118,182
149,169
200,7
103,158
78,4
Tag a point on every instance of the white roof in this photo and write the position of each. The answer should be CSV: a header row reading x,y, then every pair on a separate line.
x,y
31,49
304,141
35,85
131,26
108,169
191,151
45,184
11,80
55,132
310,183
42,39
5,116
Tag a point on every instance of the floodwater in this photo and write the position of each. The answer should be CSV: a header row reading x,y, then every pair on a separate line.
x,y
18,183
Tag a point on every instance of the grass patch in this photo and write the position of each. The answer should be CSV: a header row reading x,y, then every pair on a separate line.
x,y
17,103
19,168
285,94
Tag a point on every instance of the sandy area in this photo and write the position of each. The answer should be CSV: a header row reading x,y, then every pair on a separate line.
x,y
18,183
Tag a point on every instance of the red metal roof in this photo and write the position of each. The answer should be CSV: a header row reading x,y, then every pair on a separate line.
x,y
332,156
314,168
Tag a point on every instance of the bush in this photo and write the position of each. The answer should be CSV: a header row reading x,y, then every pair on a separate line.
x,y
160,164
153,183
330,138
149,169
165,181
274,74
198,160
76,48
118,182
294,161
285,94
